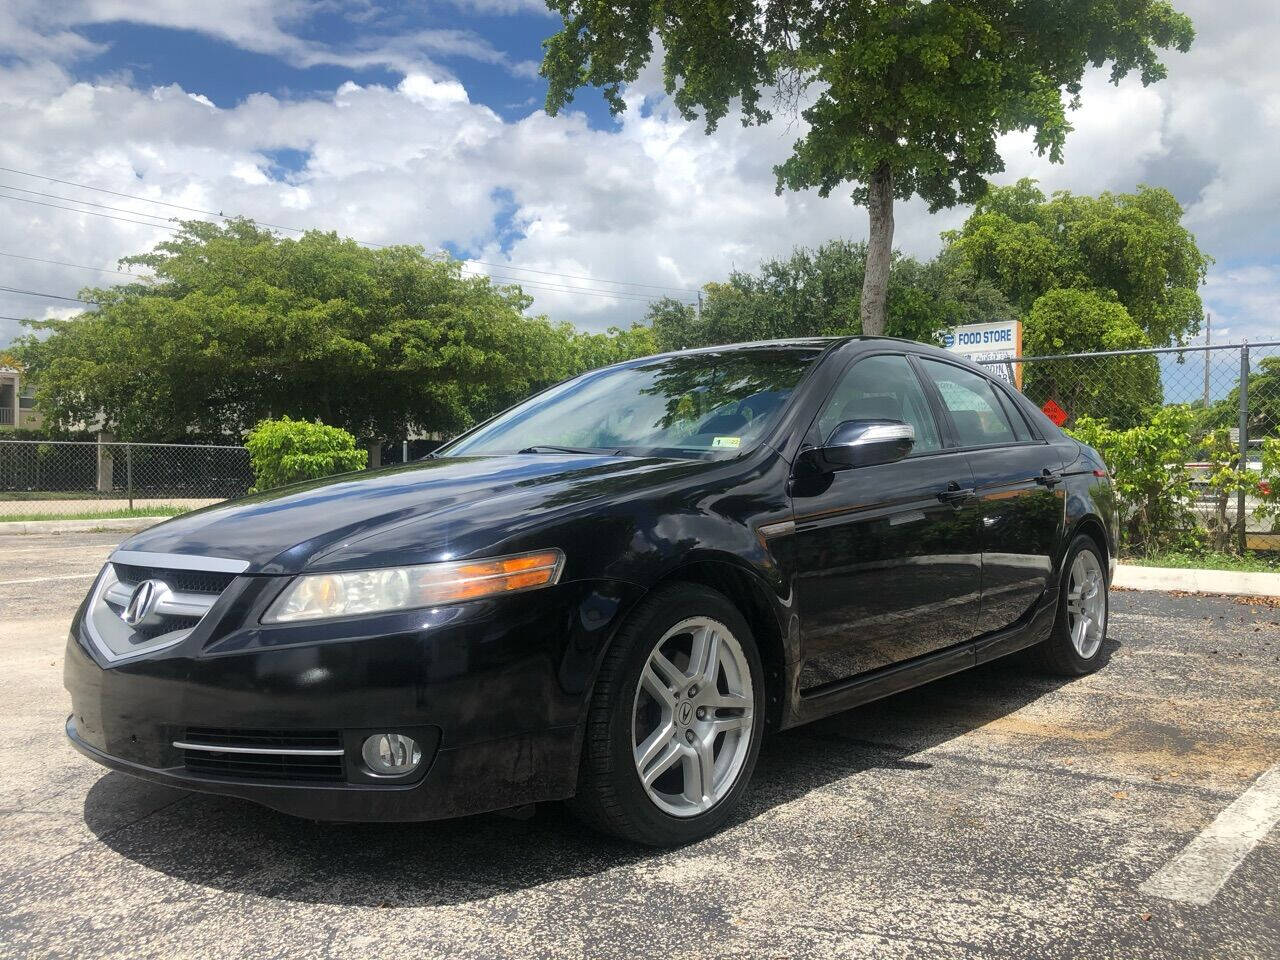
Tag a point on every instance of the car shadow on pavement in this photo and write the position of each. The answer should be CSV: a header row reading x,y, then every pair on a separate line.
x,y
239,847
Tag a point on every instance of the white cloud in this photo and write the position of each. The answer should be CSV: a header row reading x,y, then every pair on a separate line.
x,y
654,202
31,29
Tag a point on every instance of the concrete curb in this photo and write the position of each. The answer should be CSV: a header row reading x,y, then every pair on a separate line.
x,y
122,524
1223,582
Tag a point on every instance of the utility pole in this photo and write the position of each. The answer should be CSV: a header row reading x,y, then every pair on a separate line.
x,y
1208,326
699,306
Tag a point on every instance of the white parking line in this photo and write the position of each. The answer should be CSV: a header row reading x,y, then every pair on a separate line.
x,y
1206,863
68,576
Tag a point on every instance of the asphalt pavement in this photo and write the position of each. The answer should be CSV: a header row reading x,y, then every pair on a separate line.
x,y
997,813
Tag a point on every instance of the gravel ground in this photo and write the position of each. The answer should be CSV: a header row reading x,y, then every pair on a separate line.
x,y
993,814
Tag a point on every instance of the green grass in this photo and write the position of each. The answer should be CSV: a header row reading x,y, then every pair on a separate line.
x,y
123,513
1248,563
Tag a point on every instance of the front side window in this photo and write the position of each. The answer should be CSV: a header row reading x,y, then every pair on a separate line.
x,y
710,405
976,411
882,388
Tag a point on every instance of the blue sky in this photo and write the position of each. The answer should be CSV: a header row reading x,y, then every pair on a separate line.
x,y
421,122
227,74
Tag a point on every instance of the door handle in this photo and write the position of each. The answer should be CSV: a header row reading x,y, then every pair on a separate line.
x,y
1048,478
955,494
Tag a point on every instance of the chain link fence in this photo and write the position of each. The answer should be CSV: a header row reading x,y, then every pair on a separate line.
x,y
1229,406
34,470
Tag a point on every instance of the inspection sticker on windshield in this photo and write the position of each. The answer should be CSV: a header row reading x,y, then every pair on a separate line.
x,y
727,442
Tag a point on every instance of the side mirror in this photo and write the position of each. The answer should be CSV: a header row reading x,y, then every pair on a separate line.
x,y
865,443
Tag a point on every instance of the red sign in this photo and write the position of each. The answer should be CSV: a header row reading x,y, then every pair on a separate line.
x,y
1054,413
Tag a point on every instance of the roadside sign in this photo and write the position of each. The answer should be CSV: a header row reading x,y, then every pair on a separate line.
x,y
987,342
1054,413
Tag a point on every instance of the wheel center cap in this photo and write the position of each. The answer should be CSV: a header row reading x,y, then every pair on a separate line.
x,y
685,713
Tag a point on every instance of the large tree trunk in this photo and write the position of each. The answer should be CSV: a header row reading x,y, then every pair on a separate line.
x,y
875,283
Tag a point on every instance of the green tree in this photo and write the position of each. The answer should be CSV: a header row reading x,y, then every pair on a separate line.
x,y
817,293
905,98
239,325
288,451
1263,402
1129,247
1124,390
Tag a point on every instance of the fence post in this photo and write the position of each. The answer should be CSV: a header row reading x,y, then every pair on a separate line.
x,y
106,462
1244,440
128,473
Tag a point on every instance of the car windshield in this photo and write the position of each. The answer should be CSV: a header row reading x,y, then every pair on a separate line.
x,y
707,405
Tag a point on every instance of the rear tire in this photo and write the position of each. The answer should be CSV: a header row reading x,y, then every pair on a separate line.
x,y
680,697
1077,644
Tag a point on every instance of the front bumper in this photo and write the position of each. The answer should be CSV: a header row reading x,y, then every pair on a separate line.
x,y
495,690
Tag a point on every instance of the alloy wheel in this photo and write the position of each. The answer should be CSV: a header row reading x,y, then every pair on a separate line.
x,y
692,717
1087,604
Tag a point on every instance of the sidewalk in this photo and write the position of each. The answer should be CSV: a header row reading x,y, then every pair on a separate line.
x,y
35,508
1222,582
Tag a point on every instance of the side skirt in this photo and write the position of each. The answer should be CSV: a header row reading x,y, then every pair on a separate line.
x,y
854,692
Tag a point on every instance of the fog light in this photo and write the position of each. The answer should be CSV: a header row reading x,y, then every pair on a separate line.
x,y
391,754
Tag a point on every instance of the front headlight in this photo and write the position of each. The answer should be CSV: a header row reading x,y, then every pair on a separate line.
x,y
324,595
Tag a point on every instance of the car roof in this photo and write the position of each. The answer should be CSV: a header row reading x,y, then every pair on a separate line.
x,y
803,343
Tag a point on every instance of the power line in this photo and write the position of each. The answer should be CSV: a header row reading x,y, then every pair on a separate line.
x,y
276,226
114,193
64,263
39,293
89,213
133,196
87,203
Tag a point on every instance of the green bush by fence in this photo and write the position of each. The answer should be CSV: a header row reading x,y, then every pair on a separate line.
x,y
286,451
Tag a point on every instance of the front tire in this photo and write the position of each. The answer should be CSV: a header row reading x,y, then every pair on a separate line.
x,y
675,720
1076,645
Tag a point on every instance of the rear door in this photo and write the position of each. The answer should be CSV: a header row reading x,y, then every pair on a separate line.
x,y
1017,478
888,556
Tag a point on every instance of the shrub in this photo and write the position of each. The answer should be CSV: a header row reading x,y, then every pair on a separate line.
x,y
286,451
1148,465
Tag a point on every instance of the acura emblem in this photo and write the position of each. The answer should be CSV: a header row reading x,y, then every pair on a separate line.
x,y
143,601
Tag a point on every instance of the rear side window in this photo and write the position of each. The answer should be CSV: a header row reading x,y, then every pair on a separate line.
x,y
976,412
1020,428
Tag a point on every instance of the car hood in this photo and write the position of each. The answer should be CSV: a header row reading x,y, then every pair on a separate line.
x,y
418,512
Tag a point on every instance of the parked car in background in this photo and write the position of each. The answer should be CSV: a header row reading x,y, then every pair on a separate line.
x,y
610,593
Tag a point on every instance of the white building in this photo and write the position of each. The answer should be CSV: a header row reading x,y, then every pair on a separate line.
x,y
17,402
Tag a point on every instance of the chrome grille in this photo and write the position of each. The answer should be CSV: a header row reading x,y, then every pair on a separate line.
x,y
263,754
183,581
180,590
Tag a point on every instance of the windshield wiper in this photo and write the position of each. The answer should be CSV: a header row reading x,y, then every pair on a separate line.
x,y
552,448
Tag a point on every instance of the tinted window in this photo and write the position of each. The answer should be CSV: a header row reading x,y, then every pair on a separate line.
x,y
1020,428
709,404
881,388
976,412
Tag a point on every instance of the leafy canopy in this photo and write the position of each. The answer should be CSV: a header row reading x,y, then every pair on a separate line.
x,y
239,325
288,451
1263,402
816,292
921,87
1128,247
1126,390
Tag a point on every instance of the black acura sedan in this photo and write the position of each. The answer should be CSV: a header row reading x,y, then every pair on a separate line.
x,y
609,593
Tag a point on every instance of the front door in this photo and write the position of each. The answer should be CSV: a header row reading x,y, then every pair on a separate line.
x,y
1016,477
888,556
